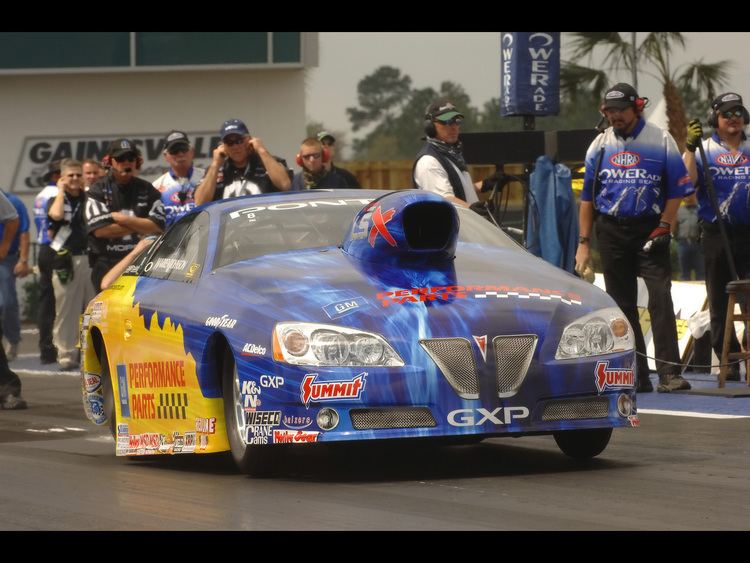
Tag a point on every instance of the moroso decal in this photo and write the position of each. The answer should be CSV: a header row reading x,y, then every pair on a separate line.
x,y
446,293
482,343
331,390
615,378
294,437
379,219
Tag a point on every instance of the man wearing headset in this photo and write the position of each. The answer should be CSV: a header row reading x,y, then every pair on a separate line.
x,y
120,208
440,166
177,185
312,157
728,156
633,185
242,165
329,141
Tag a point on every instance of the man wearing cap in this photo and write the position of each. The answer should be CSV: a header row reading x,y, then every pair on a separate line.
x,y
633,185
728,155
120,208
440,166
313,157
241,165
329,142
177,185
45,257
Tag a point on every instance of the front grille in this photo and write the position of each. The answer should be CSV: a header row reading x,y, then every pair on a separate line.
x,y
576,409
512,359
373,419
455,359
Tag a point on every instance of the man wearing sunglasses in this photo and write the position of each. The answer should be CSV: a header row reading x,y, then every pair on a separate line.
x,y
120,209
329,141
633,185
71,277
177,185
242,165
728,155
312,157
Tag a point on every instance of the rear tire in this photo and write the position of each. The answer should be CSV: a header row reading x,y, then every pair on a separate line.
x,y
254,460
583,444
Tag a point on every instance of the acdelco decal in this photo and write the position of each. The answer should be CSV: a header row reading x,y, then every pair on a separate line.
x,y
625,159
447,293
331,390
615,378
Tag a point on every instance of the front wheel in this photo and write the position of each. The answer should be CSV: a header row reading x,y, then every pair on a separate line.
x,y
110,411
251,459
583,444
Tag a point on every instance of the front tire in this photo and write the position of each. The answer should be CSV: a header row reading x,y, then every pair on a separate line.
x,y
583,444
251,459
110,410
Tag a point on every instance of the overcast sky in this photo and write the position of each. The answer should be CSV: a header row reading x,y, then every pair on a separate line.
x,y
473,60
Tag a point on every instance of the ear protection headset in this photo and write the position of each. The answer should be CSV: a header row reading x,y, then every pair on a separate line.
x,y
713,118
326,156
640,104
429,126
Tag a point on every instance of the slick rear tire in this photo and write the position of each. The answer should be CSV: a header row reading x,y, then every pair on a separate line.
x,y
253,460
109,394
583,444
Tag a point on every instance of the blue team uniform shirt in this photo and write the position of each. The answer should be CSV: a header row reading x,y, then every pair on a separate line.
x,y
637,174
731,175
23,222
178,194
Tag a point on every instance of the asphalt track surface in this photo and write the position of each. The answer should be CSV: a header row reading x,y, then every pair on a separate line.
x,y
685,468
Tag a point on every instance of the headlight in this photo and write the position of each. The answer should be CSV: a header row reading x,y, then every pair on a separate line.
x,y
313,344
601,332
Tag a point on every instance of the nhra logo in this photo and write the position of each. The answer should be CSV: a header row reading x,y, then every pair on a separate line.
x,y
727,159
625,159
613,378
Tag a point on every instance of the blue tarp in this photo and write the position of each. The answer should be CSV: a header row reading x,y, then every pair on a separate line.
x,y
552,225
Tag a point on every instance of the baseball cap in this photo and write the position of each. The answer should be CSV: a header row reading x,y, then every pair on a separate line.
x,y
726,101
119,147
442,110
326,135
233,127
52,168
621,95
176,138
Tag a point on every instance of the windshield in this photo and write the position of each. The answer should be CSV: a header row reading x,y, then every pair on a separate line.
x,y
259,230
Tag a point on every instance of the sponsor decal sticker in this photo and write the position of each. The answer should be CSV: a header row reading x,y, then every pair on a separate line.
x,y
615,378
92,382
341,308
635,422
253,350
221,322
122,386
296,422
321,391
447,293
205,425
264,418
273,381
477,417
250,393
294,437
96,404
727,159
625,159
379,220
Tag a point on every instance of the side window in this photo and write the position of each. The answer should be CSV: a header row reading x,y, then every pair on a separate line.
x,y
180,255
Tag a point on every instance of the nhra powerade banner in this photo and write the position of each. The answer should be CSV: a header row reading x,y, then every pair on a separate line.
x,y
530,73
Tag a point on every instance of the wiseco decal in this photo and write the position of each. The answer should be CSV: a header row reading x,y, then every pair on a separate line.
x,y
615,378
331,390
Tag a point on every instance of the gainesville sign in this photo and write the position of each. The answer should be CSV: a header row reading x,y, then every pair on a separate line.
x,y
38,152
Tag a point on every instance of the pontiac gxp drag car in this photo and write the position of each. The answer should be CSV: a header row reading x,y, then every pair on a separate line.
x,y
345,315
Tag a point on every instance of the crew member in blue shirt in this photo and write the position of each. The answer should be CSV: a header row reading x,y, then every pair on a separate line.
x,y
633,185
728,155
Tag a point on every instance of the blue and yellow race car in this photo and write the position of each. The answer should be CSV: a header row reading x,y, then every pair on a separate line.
x,y
347,315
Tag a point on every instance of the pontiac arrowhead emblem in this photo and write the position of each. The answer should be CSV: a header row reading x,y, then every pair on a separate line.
x,y
482,343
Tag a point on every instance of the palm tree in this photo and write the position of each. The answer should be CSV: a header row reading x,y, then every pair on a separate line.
x,y
656,48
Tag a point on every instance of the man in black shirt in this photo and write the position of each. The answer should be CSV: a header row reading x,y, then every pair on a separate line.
x,y
329,141
312,157
241,165
120,208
